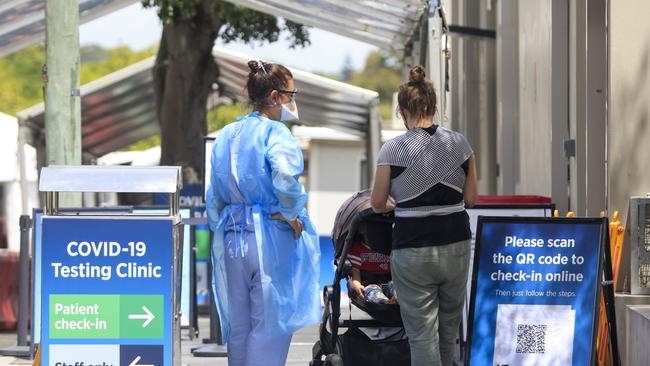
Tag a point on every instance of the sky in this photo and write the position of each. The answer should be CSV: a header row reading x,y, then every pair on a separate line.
x,y
139,28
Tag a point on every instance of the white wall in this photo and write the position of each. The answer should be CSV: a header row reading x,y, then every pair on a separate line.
x,y
10,178
543,100
13,209
507,73
473,87
8,142
334,175
629,102
534,145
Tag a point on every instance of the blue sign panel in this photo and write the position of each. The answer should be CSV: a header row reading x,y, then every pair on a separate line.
x,y
107,291
535,291
36,237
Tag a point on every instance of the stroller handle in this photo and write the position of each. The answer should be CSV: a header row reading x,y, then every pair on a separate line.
x,y
364,214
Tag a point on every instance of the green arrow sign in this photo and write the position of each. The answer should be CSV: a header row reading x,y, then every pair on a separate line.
x,y
141,316
147,316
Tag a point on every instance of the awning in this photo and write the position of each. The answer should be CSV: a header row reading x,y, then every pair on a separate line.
x,y
22,22
119,109
116,111
321,101
388,24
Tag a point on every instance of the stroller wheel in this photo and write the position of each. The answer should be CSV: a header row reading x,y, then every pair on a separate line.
x,y
333,360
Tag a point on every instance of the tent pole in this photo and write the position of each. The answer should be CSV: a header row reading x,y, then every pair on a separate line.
x,y
62,95
373,140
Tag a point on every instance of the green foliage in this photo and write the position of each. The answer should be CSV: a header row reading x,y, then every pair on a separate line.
x,y
217,119
386,111
299,34
348,70
327,75
22,85
173,11
246,25
111,61
20,72
225,114
145,144
380,75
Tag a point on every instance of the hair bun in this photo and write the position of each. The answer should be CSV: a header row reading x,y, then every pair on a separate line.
x,y
417,74
254,66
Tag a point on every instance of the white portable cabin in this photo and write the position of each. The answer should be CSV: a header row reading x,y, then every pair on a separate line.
x,y
335,169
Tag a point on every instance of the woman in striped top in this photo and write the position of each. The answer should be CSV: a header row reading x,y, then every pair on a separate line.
x,y
430,171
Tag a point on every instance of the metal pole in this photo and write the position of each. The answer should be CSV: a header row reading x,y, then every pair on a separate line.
x,y
173,204
487,110
436,58
373,140
596,108
24,194
577,105
559,107
55,203
507,49
48,203
62,96
23,285
23,348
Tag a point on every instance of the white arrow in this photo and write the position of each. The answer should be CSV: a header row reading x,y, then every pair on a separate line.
x,y
135,362
148,316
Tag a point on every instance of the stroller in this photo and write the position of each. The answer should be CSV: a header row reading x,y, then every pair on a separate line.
x,y
377,341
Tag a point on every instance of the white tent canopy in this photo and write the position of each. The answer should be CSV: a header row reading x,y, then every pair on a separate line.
x,y
322,101
22,22
388,24
119,109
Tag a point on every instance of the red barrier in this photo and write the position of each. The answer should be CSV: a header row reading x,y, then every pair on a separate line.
x,y
9,272
512,200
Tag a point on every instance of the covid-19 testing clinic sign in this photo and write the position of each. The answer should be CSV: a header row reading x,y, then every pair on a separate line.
x,y
535,290
107,291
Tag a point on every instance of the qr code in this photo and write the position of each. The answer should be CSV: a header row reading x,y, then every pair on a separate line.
x,y
531,338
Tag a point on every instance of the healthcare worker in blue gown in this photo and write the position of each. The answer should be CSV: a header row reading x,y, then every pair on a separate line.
x,y
266,255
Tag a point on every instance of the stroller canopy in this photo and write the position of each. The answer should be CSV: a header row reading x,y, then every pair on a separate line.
x,y
351,209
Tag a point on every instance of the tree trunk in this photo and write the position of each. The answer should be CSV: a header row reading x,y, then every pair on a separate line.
x,y
183,76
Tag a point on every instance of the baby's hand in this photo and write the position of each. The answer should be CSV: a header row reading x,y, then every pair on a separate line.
x,y
359,289
393,300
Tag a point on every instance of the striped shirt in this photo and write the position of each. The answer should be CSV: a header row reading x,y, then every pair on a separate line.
x,y
363,257
374,267
428,171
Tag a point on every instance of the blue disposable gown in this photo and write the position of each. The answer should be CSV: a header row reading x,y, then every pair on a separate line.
x,y
256,163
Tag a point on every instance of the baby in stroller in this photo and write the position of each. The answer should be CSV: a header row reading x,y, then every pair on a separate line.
x,y
362,246
370,277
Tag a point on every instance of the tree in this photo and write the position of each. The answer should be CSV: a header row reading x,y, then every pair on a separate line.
x,y
348,69
97,62
22,85
20,72
380,75
185,70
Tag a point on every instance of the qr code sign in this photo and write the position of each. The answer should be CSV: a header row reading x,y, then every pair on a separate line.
x,y
531,338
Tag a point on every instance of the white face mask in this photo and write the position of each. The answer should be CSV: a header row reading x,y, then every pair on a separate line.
x,y
289,112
